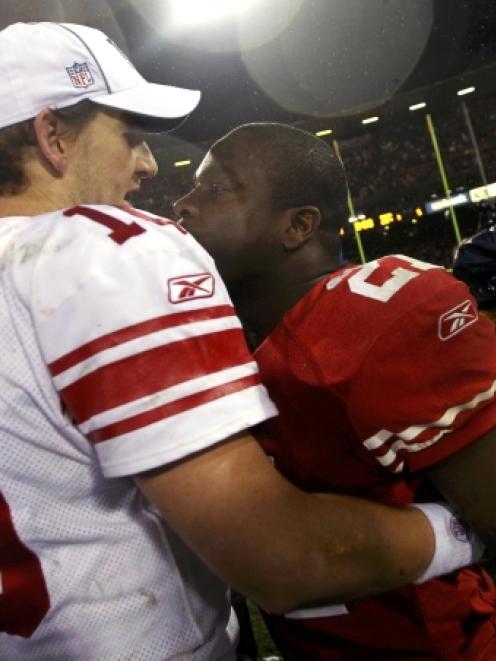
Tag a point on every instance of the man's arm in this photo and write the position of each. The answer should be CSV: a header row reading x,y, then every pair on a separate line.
x,y
280,546
467,480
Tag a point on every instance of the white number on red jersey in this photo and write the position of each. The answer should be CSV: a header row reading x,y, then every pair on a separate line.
x,y
399,278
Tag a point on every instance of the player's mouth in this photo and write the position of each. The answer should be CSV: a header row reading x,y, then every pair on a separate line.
x,y
185,222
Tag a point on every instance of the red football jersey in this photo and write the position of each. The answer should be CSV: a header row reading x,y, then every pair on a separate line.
x,y
380,371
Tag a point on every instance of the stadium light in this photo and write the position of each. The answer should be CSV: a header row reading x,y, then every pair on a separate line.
x,y
199,11
466,90
181,164
370,120
320,134
417,106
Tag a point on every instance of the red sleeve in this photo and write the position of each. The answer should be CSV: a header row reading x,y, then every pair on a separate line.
x,y
426,386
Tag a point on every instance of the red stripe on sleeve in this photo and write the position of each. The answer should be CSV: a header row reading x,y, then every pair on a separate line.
x,y
154,370
172,408
134,331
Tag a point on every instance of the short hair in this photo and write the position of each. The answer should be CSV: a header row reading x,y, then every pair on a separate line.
x,y
17,139
300,169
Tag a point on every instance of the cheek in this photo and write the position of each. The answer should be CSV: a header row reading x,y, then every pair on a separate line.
x,y
207,217
212,232
113,162
119,165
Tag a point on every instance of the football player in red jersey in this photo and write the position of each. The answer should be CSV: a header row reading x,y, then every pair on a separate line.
x,y
124,371
383,373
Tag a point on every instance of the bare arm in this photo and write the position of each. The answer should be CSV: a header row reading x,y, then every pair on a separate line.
x,y
468,481
282,547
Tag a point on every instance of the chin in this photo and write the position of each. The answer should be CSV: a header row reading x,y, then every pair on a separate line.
x,y
117,202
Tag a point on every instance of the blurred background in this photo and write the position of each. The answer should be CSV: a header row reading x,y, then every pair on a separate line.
x,y
403,90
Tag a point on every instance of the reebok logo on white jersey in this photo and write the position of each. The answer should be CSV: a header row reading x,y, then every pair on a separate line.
x,y
457,319
188,287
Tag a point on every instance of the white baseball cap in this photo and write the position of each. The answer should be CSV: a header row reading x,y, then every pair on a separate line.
x,y
55,65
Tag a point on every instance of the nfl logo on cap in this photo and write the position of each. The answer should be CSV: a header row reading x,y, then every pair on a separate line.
x,y
80,75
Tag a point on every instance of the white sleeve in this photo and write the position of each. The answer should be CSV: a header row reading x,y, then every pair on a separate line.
x,y
142,341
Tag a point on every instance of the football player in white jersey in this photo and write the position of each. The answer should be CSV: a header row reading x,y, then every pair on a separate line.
x,y
125,379
384,376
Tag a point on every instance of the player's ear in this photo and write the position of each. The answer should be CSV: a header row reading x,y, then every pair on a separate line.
x,y
51,142
301,224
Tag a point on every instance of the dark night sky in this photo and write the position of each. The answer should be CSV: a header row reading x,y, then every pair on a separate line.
x,y
332,58
287,60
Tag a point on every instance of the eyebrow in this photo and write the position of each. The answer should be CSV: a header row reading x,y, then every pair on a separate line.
x,y
224,171
132,126
138,123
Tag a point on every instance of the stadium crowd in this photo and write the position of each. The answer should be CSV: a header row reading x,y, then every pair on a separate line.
x,y
390,167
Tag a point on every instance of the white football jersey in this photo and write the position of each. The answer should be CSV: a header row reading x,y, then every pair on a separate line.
x,y
121,352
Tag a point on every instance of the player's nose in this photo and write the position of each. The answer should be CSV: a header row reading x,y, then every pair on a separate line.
x,y
185,206
146,165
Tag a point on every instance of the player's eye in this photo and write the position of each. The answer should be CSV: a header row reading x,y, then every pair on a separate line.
x,y
134,138
217,188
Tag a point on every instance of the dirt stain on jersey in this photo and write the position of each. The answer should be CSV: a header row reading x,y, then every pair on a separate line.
x,y
151,599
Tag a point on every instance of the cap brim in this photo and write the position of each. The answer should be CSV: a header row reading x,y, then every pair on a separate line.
x,y
156,107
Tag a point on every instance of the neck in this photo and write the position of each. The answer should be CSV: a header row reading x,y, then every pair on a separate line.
x,y
22,206
261,306
43,193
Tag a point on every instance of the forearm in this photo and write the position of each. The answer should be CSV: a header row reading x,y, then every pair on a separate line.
x,y
346,549
282,547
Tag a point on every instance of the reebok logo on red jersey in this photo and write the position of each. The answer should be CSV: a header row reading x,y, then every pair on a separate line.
x,y
457,319
188,287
